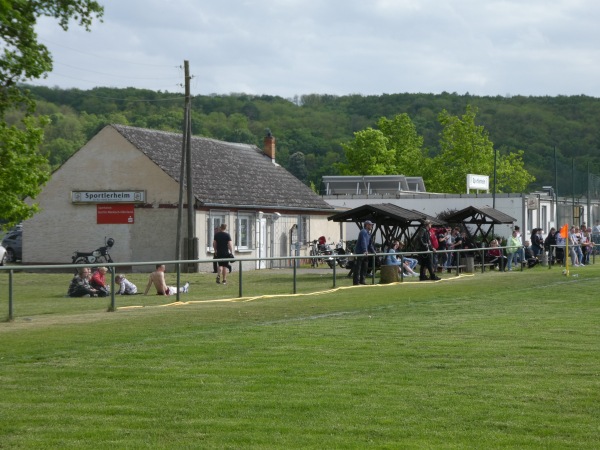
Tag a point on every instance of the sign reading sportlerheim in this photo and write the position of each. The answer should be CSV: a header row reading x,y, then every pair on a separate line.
x,y
108,196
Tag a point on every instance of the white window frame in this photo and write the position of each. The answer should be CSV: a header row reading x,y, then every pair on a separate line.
x,y
214,221
244,231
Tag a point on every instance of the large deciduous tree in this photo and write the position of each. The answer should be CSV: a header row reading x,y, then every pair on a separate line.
x,y
394,147
23,169
466,148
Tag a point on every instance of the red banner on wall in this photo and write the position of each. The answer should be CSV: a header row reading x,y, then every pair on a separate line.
x,y
114,213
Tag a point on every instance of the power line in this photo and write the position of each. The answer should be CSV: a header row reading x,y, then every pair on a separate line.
x,y
112,75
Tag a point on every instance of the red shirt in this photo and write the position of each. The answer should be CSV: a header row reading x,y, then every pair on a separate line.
x,y
98,280
434,240
495,252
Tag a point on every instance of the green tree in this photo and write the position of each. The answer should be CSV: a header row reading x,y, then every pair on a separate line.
x,y
22,168
466,148
368,154
405,141
394,148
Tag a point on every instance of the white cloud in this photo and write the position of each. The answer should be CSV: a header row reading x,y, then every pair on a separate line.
x,y
288,47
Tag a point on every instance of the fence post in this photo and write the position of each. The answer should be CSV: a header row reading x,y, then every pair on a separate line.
x,y
334,273
112,291
240,282
11,315
374,268
295,264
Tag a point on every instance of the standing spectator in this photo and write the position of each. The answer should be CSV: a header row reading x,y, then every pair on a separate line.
x,y
126,287
364,246
575,249
449,246
442,238
537,242
223,249
426,259
435,244
456,240
560,249
550,245
586,245
98,282
520,251
157,278
512,248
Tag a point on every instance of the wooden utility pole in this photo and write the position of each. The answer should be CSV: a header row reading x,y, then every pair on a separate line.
x,y
185,177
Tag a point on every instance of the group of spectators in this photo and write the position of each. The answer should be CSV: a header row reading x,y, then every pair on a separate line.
x,y
579,241
437,242
88,284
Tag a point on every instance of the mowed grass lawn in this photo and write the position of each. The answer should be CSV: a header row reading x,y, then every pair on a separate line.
x,y
494,360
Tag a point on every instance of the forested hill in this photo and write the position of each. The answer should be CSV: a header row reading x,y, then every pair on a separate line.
x,y
310,129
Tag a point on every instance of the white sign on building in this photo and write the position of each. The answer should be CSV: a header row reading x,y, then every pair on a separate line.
x,y
108,196
479,182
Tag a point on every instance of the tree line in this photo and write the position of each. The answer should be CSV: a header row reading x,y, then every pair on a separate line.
x,y
314,131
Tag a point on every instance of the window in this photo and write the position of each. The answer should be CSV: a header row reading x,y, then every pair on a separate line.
x,y
544,220
214,221
305,229
244,233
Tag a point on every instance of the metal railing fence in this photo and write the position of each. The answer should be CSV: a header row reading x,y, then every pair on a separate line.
x,y
295,262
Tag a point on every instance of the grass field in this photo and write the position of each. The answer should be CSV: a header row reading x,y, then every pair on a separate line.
x,y
494,360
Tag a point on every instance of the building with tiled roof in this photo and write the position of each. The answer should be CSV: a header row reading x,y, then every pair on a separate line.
x,y
125,184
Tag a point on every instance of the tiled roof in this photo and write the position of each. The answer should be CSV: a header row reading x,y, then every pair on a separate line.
x,y
226,174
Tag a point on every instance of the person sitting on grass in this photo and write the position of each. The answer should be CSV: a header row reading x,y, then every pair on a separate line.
x,y
80,284
126,287
157,278
98,282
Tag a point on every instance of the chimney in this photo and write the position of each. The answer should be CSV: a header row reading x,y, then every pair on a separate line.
x,y
269,145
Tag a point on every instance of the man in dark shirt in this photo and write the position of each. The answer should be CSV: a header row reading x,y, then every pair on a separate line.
x,y
223,249
426,259
364,246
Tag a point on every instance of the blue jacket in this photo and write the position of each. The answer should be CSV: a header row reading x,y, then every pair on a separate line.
x,y
364,243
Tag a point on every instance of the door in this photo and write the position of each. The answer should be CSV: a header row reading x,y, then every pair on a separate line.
x,y
261,243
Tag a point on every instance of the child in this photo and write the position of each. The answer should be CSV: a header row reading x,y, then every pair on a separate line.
x,y
126,287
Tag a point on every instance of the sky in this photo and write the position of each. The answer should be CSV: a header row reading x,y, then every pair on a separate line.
x,y
339,47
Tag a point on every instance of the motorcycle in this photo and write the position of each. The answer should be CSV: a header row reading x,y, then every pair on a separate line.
x,y
320,247
343,253
97,256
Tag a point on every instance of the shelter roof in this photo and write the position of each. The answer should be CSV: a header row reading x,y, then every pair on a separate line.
x,y
484,215
383,214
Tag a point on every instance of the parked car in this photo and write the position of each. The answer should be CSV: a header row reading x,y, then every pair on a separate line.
x,y
13,243
2,255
